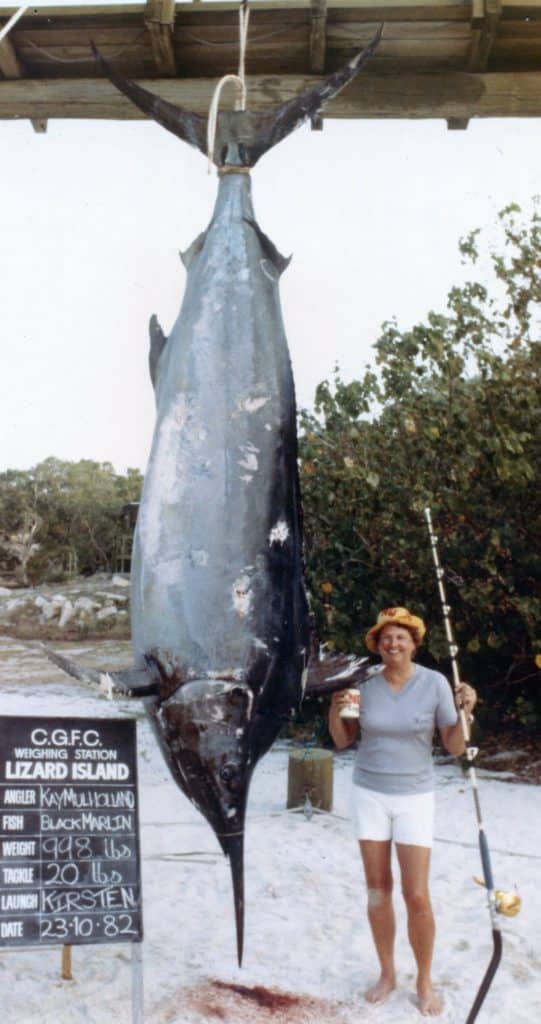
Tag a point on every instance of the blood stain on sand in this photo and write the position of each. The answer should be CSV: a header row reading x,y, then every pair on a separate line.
x,y
240,1004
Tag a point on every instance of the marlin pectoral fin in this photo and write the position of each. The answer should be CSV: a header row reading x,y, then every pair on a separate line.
x,y
132,682
187,126
269,248
135,682
157,345
334,672
193,250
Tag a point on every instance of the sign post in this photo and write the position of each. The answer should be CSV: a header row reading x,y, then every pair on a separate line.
x,y
69,836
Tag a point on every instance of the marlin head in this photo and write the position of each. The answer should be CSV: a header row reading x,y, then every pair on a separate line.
x,y
202,730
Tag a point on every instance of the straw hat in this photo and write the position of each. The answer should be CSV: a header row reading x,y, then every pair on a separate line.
x,y
395,617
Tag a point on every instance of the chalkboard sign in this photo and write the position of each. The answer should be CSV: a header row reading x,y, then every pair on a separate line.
x,y
69,837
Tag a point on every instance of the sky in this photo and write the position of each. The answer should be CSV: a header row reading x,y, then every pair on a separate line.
x,y
94,214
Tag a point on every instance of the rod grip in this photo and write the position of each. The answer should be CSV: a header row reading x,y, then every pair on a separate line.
x,y
485,859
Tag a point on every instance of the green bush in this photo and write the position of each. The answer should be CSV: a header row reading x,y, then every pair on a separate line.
x,y
448,419
63,518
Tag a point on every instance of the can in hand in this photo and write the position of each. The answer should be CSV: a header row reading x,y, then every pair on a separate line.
x,y
351,708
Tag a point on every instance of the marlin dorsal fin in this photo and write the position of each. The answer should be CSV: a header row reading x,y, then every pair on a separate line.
x,y
158,342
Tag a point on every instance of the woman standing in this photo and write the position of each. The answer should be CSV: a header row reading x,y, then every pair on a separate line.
x,y
401,705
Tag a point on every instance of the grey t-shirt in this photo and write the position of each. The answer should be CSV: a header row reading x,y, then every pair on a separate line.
x,y
395,750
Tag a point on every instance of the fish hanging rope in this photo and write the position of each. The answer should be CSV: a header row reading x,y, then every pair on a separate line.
x,y
5,29
239,80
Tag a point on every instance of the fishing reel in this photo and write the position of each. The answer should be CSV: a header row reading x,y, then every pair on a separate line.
x,y
507,903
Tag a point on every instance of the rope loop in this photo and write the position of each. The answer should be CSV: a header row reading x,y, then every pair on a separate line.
x,y
238,79
232,169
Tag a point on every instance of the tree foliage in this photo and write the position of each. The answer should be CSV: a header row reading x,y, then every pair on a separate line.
x,y
63,517
448,418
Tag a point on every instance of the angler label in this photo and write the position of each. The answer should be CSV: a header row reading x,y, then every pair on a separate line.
x,y
69,832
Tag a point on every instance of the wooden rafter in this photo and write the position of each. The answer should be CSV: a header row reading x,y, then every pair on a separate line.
x,y
318,47
160,20
10,65
450,95
486,16
318,36
485,21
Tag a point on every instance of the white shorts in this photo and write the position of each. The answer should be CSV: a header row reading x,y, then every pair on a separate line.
x,y
404,817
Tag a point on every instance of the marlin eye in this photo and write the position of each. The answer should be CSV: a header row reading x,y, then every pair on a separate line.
x,y
228,772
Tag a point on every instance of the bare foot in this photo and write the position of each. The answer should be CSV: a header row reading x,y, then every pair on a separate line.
x,y
378,993
430,1004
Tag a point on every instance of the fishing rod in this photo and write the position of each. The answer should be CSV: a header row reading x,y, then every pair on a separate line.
x,y
470,755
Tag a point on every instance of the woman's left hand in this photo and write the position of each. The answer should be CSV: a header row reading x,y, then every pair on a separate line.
x,y
465,698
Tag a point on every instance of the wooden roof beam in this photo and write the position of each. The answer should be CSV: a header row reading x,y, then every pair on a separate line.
x,y
318,36
457,124
486,15
444,95
160,20
318,48
12,67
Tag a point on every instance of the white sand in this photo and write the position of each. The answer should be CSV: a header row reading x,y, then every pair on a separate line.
x,y
306,932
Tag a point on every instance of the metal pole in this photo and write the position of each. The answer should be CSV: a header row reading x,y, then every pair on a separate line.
x,y
137,992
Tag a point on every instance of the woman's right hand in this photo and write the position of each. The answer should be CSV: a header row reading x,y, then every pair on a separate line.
x,y
339,700
343,730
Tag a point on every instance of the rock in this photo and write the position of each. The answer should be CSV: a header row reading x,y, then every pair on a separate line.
x,y
85,604
67,613
91,607
106,613
111,597
504,755
46,607
120,581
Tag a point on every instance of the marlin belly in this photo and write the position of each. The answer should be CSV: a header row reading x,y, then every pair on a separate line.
x,y
217,586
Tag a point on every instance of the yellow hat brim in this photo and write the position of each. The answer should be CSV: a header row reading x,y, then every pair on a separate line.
x,y
405,619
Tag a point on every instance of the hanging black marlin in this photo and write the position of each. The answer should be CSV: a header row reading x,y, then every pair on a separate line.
x,y
220,622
